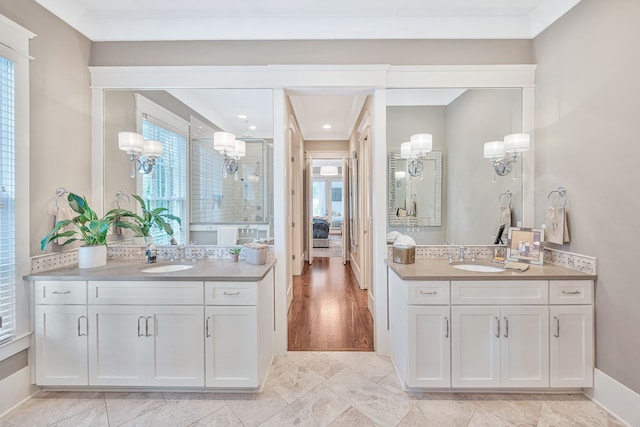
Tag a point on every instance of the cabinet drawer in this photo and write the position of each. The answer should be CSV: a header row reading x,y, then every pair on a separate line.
x,y
145,292
53,292
568,292
428,292
522,292
230,293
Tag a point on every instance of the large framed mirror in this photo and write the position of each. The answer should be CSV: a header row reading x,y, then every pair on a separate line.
x,y
461,120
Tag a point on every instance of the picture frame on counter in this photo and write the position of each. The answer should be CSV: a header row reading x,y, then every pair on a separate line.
x,y
526,245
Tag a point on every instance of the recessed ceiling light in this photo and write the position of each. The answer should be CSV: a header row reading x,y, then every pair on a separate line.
x,y
242,116
252,127
327,126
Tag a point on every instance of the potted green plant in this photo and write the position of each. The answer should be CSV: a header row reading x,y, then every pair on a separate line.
x,y
142,224
235,253
86,227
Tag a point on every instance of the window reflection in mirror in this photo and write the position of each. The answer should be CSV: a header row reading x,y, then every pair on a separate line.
x,y
461,121
209,200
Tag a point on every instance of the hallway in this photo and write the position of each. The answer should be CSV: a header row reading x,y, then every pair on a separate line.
x,y
329,311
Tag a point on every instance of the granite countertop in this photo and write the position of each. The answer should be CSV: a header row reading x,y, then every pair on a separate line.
x,y
441,270
218,269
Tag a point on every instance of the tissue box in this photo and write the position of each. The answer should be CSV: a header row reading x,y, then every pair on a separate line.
x,y
404,255
255,254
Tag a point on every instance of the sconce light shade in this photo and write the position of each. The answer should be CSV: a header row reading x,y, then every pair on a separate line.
x,y
494,150
405,150
224,141
400,175
516,143
152,149
421,143
239,150
131,142
329,170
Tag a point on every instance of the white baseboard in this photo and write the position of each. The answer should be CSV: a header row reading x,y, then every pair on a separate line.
x,y
16,389
370,305
289,296
355,268
615,397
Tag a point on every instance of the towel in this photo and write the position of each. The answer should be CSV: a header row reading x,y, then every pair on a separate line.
x,y
227,235
556,228
504,216
63,213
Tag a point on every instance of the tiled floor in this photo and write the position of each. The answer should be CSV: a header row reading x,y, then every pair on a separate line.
x,y
312,389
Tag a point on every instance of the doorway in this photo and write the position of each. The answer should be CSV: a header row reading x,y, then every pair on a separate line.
x,y
328,206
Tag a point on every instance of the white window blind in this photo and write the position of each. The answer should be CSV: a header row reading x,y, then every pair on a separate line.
x,y
166,185
207,167
7,200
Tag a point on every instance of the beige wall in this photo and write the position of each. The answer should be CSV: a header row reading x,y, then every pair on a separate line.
x,y
326,146
397,52
587,108
60,102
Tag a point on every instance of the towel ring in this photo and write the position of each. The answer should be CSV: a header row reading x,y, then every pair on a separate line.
x,y
505,194
562,196
60,192
121,195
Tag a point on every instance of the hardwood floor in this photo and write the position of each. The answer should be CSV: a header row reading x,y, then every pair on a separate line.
x,y
329,311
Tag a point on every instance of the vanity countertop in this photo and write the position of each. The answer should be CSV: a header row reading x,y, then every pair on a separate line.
x,y
218,269
441,270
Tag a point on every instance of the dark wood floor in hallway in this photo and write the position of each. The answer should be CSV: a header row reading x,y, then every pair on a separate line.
x,y
329,311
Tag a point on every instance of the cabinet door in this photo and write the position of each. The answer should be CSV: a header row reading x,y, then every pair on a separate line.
x,y
61,345
475,346
117,338
571,348
525,346
231,347
429,348
175,346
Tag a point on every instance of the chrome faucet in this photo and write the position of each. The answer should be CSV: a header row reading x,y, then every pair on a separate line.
x,y
151,253
462,249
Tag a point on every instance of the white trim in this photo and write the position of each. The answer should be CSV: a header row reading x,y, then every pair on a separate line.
x,y
97,150
17,389
615,397
15,36
15,346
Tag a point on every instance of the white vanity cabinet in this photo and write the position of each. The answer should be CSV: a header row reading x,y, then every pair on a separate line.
x,y
61,331
132,344
500,345
492,333
239,326
571,332
420,331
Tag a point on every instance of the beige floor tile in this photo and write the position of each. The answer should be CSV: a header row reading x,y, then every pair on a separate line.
x,y
176,413
295,383
123,407
223,417
496,409
573,414
48,408
372,399
94,417
352,417
446,412
316,408
369,364
253,409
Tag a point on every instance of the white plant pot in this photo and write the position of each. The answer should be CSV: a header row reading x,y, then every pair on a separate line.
x,y
141,240
92,256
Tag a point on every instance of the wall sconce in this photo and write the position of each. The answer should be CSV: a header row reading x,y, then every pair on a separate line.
x,y
503,154
143,154
328,171
232,149
416,149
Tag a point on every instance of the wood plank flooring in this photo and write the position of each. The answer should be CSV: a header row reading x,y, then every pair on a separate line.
x,y
329,311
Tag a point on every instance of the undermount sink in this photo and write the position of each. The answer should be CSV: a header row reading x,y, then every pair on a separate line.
x,y
166,268
478,268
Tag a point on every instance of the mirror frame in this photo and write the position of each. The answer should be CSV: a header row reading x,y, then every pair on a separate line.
x,y
417,221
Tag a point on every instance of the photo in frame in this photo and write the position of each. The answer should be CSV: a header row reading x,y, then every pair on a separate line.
x,y
525,245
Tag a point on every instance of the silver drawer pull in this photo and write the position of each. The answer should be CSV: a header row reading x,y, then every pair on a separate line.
x,y
231,293
446,335
429,293
571,292
557,334
506,327
498,322
61,293
80,334
139,334
206,327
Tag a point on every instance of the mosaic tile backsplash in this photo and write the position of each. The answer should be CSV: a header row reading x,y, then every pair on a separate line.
x,y
582,263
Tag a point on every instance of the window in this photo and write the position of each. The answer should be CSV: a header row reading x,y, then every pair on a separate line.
x,y
165,186
7,200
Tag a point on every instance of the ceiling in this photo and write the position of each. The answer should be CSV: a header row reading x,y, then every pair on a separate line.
x,y
127,20
146,20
